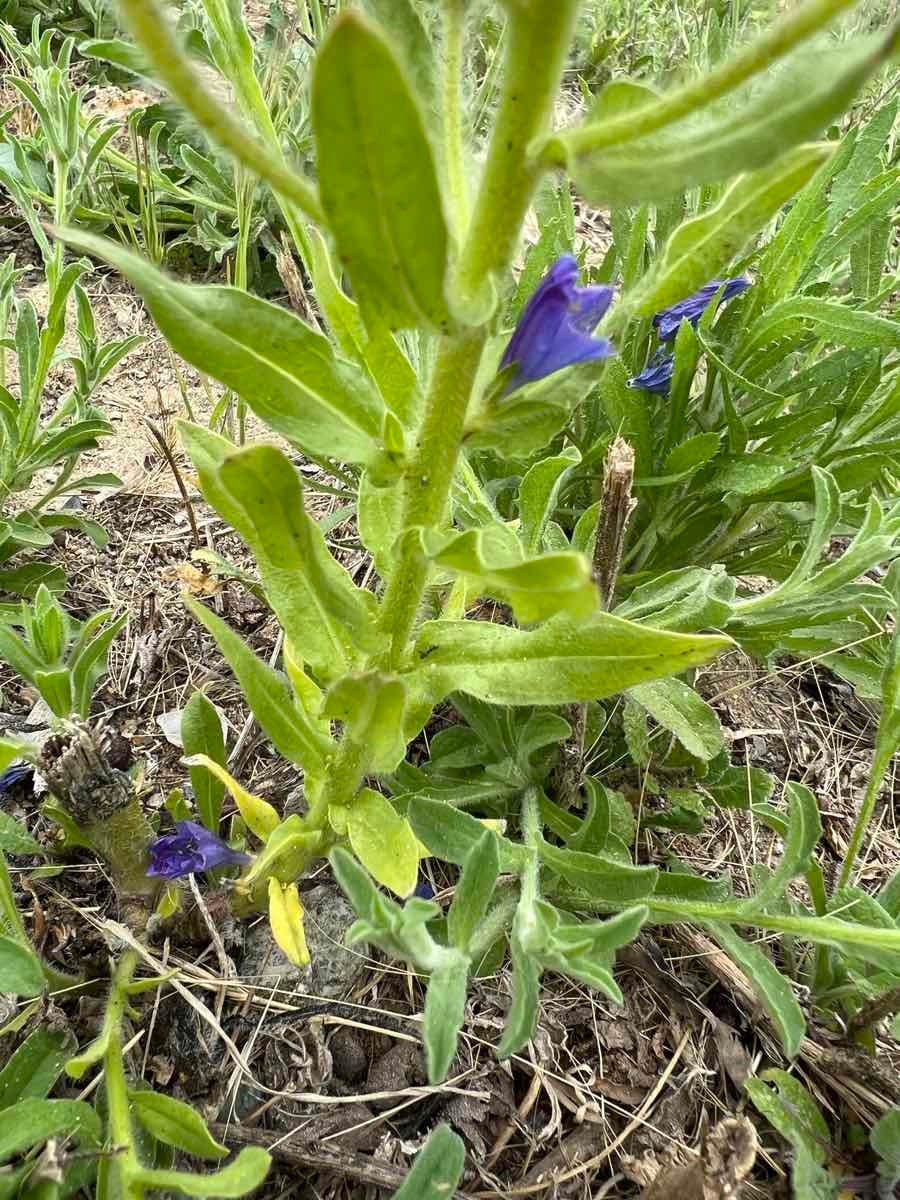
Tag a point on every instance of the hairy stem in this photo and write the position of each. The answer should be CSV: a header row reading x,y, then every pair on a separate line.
x,y
125,1163
454,138
880,763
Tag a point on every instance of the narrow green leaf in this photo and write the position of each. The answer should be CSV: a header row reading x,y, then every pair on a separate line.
x,y
287,373
803,833
772,989
535,588
15,838
268,694
526,991
36,1120
698,250
380,192
473,891
797,103
202,733
885,1141
601,877
372,707
559,663
35,1066
539,494
175,1123
451,834
437,1169
20,970
243,1175
676,706
445,1011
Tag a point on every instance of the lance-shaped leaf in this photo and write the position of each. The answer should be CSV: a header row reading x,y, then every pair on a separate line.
x,y
824,319
742,135
771,987
268,694
286,919
602,877
437,1169
698,250
287,373
377,178
675,706
202,733
327,619
175,1123
559,663
804,828
539,493
535,588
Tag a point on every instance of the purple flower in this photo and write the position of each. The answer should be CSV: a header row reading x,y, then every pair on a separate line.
x,y
14,775
555,329
424,890
656,377
666,323
190,849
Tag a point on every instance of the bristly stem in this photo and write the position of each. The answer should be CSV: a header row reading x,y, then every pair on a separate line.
x,y
760,54
880,763
452,85
120,1129
538,37
537,45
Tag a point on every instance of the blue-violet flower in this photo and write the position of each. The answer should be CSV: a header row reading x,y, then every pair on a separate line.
x,y
16,774
656,377
666,323
555,329
190,849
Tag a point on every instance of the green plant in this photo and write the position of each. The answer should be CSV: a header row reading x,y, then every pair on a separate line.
x,y
410,390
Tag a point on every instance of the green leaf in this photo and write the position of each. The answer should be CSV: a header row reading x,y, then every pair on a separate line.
x,y
473,891
20,970
452,835
247,1172
698,250
327,619
803,833
521,1018
535,588
688,456
445,1011
743,134
772,989
559,663
675,706
175,1123
268,694
539,495
601,877
202,733
885,1141
437,1169
372,708
790,1108
35,1066
15,838
825,319
36,1120
379,190
287,373
383,841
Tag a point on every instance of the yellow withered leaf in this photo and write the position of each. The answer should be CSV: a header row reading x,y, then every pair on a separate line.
x,y
259,816
286,919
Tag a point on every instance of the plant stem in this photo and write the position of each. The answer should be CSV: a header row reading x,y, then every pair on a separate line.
x,y
429,478
452,80
537,42
880,763
760,54
119,1116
